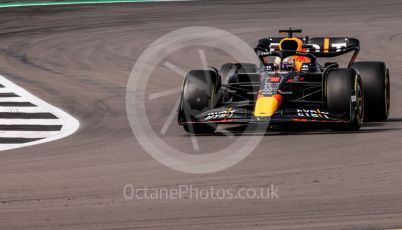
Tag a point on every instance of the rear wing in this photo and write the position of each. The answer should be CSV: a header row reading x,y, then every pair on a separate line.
x,y
272,43
331,46
318,46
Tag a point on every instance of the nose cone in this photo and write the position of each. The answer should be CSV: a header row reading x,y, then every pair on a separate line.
x,y
266,106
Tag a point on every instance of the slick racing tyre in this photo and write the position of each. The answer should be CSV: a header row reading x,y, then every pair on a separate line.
x,y
376,87
345,96
199,94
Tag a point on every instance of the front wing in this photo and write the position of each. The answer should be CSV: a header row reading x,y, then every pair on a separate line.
x,y
286,115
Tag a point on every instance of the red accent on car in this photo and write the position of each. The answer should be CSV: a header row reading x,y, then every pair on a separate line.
x,y
275,79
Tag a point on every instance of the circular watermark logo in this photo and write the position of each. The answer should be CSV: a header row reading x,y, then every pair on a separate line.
x,y
137,100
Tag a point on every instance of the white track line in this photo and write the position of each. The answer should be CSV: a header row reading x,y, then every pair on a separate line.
x,y
12,109
4,121
69,123
5,90
79,2
27,134
12,99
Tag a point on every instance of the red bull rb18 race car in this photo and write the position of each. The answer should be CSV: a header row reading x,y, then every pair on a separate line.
x,y
289,86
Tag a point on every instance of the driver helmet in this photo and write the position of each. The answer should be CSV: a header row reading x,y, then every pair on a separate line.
x,y
288,63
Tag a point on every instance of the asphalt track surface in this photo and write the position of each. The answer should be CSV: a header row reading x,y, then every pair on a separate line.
x,y
79,58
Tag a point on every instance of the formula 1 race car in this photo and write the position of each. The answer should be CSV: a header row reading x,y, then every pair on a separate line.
x,y
288,86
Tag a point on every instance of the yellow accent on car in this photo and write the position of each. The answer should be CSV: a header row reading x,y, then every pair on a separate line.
x,y
266,106
326,45
296,40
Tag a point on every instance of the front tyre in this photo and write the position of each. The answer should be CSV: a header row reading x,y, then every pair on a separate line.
x,y
345,96
199,94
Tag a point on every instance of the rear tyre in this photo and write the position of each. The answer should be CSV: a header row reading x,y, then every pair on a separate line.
x,y
199,94
345,96
376,87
